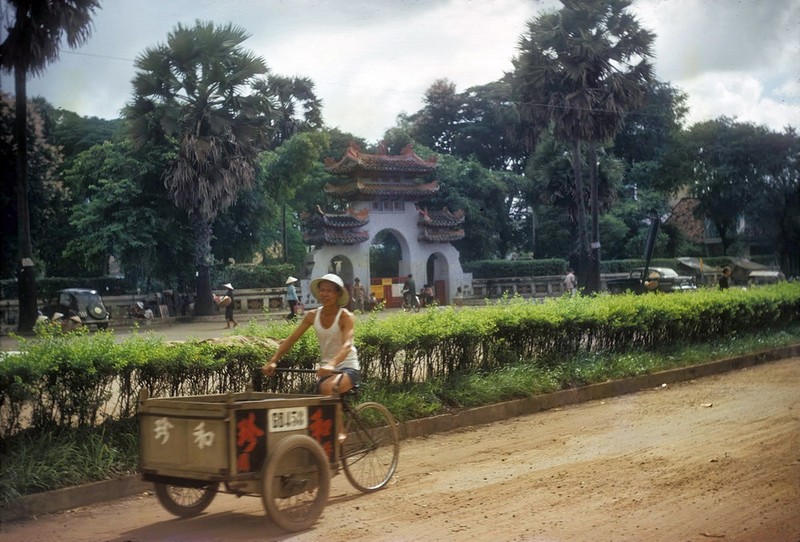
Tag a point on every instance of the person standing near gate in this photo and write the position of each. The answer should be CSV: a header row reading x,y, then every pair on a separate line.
x,y
291,297
359,295
571,283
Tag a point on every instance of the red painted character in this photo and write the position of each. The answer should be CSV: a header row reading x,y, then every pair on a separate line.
x,y
247,437
320,428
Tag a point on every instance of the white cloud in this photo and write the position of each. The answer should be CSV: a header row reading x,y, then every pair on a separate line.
x,y
740,96
372,60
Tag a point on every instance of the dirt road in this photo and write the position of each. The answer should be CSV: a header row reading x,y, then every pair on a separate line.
x,y
711,459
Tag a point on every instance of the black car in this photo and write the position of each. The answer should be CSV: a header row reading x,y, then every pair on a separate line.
x,y
651,279
658,279
82,302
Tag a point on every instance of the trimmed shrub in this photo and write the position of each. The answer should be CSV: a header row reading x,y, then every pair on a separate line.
x,y
81,379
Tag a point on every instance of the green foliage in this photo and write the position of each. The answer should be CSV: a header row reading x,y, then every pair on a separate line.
x,y
254,276
42,461
481,122
124,211
487,198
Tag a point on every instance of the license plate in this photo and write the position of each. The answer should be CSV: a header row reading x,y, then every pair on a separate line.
x,y
287,419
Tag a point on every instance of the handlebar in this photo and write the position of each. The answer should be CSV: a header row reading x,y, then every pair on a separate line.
x,y
294,370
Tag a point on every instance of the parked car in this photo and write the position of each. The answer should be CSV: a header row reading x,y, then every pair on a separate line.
x,y
661,279
82,302
758,277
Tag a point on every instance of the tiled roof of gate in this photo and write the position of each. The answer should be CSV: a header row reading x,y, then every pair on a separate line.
x,y
375,189
355,161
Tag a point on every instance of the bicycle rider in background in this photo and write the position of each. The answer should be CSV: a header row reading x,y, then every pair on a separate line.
x,y
410,292
334,326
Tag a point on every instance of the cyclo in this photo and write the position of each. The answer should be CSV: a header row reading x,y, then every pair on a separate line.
x,y
283,447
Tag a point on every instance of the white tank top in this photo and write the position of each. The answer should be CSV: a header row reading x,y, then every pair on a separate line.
x,y
330,342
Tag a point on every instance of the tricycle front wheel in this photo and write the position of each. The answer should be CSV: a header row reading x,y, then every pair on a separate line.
x,y
296,482
371,451
186,502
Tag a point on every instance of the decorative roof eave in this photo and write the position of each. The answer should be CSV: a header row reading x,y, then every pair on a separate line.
x,y
441,219
440,236
349,219
354,161
336,237
377,189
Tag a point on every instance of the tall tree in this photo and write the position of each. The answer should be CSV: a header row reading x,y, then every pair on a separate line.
x,y
33,41
294,106
194,90
733,165
48,199
551,175
778,205
482,121
436,123
125,212
579,70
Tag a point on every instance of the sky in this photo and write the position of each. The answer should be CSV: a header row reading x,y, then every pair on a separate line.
x,y
373,59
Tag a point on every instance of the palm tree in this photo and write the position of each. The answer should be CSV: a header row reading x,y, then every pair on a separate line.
x,y
32,43
579,70
295,106
192,91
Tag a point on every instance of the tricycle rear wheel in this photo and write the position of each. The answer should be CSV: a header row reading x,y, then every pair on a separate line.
x,y
296,482
185,502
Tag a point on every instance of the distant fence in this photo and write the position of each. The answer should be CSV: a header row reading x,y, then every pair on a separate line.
x,y
253,301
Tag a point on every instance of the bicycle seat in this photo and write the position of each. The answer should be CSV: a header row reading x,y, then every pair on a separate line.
x,y
352,391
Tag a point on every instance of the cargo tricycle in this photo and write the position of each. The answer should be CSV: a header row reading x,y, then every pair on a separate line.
x,y
283,447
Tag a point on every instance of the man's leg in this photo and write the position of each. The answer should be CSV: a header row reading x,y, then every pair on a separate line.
x,y
332,385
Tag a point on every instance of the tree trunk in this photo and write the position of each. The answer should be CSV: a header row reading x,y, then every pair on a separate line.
x,y
283,233
26,277
593,276
202,231
580,201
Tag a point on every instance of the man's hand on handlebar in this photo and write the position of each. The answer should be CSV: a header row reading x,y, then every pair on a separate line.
x,y
269,369
327,370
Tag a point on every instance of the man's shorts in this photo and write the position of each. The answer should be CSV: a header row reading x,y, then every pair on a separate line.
x,y
355,377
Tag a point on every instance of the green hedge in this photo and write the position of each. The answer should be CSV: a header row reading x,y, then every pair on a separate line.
x,y
256,276
490,269
80,379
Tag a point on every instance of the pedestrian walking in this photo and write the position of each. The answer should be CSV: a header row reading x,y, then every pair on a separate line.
x,y
291,297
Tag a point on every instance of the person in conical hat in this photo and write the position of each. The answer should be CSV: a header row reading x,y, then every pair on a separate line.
x,y
334,326
229,319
